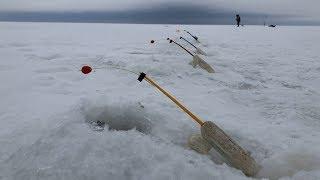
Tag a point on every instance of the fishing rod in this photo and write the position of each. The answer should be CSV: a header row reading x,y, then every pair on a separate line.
x,y
210,132
197,60
215,136
200,51
172,41
188,42
171,97
194,37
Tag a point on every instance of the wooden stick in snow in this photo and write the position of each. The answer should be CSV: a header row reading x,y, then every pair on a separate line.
x,y
227,147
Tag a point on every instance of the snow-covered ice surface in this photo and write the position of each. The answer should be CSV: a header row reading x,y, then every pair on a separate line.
x,y
265,94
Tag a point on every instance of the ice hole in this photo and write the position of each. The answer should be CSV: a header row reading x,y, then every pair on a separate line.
x,y
119,118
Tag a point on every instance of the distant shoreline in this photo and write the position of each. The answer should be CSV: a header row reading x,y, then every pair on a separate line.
x,y
100,22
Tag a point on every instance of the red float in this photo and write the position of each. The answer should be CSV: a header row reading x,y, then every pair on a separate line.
x,y
86,69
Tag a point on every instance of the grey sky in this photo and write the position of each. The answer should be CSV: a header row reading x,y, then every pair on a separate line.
x,y
299,11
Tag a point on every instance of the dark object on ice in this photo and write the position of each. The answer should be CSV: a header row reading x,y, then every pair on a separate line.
x,y
97,125
194,37
152,41
86,69
238,19
101,124
141,105
272,25
141,76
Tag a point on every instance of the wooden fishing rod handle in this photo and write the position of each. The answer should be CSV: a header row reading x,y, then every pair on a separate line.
x,y
172,41
153,83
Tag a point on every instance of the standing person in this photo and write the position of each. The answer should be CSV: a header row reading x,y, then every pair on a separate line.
x,y
238,19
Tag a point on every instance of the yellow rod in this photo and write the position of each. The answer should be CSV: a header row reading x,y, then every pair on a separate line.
x,y
194,117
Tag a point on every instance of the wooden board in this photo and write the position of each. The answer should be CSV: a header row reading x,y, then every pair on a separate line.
x,y
229,149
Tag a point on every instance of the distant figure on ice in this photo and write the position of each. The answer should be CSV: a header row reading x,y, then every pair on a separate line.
x,y
238,19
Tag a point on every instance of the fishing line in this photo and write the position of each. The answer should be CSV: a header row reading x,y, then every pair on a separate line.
x,y
88,69
119,68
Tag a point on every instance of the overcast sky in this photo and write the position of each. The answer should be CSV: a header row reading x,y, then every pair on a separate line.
x,y
163,11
